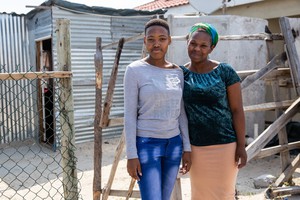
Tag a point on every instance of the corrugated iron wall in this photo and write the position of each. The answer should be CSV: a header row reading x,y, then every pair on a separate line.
x,y
14,57
18,38
84,30
13,42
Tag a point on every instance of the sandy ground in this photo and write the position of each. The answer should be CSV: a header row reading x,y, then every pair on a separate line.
x,y
245,187
29,171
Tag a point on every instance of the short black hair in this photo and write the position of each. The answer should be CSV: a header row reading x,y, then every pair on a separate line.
x,y
157,22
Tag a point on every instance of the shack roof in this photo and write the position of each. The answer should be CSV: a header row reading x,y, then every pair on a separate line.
x,y
93,9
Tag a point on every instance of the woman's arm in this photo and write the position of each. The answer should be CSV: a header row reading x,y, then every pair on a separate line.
x,y
130,122
183,127
130,111
236,105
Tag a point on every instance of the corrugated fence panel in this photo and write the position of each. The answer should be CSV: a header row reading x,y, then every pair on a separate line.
x,y
16,96
84,30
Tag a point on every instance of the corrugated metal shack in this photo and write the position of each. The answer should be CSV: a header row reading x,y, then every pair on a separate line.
x,y
86,23
14,56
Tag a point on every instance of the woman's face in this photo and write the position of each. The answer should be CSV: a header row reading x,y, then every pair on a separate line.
x,y
199,46
157,41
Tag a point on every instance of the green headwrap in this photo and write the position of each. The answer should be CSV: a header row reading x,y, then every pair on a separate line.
x,y
208,28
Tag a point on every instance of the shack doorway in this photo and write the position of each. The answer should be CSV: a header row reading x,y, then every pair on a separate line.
x,y
44,63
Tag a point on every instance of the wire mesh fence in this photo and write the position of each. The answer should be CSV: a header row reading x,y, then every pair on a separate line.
x,y
37,149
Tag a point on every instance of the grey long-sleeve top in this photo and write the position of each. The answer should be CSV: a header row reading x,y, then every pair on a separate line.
x,y
153,105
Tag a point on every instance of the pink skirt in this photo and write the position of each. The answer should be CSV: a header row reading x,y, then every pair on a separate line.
x,y
213,172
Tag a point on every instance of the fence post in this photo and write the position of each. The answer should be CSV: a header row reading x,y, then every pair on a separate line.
x,y
98,60
70,180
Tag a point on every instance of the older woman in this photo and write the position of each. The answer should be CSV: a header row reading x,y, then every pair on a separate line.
x,y
213,103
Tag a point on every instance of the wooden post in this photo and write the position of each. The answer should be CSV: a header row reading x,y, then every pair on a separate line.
x,y
144,51
105,117
70,180
111,86
98,59
289,28
282,135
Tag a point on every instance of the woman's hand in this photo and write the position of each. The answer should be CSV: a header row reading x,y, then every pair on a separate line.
x,y
186,162
241,156
134,168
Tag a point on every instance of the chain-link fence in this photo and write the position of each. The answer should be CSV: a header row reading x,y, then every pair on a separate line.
x,y
37,149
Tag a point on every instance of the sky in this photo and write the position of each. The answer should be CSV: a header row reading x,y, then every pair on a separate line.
x,y
19,6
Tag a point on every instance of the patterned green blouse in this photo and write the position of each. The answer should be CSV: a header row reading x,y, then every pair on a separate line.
x,y
206,105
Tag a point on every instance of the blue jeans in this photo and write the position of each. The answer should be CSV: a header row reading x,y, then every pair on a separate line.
x,y
160,160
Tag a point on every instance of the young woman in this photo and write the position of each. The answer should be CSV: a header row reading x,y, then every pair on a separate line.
x,y
155,121
213,102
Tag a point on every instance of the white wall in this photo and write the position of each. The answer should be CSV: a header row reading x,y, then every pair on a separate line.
x,y
241,54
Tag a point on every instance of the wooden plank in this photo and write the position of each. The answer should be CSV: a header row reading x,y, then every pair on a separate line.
x,y
294,85
107,188
288,172
254,148
259,36
70,180
244,73
280,73
35,75
282,135
277,61
272,192
274,74
131,39
40,98
130,189
98,60
277,149
123,193
111,86
290,28
176,193
268,106
117,121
